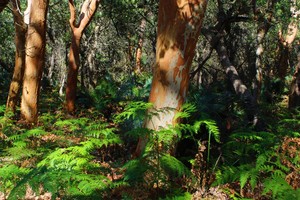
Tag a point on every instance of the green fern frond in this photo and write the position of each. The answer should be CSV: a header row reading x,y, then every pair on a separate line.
x,y
135,170
29,133
133,111
277,185
18,152
186,111
12,171
72,124
173,166
266,168
244,176
211,126
10,174
261,160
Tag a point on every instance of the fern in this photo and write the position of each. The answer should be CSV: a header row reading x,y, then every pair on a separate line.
x,y
36,132
186,111
277,185
72,125
135,110
9,175
173,166
135,170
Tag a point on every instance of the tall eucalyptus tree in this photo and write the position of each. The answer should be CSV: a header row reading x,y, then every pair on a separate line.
x,y
179,24
88,9
35,17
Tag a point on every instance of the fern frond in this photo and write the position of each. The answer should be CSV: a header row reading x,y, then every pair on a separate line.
x,y
173,166
186,111
277,185
135,170
211,127
133,111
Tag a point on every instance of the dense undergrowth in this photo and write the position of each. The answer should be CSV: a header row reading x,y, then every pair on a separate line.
x,y
89,155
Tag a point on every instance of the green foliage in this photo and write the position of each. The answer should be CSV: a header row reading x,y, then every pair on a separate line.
x,y
62,167
173,166
256,158
10,174
134,111
104,93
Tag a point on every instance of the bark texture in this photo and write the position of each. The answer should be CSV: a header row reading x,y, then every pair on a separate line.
x,y
34,60
139,50
285,43
264,24
179,24
88,9
20,40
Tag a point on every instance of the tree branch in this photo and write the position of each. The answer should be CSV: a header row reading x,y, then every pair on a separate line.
x,y
88,9
72,19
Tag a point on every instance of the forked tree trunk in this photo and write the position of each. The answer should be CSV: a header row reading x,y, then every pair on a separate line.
x,y
179,24
34,60
87,11
20,40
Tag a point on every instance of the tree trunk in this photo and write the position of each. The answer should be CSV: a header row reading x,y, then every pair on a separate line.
x,y
294,97
20,40
240,89
138,56
264,24
179,24
87,11
34,60
249,103
285,44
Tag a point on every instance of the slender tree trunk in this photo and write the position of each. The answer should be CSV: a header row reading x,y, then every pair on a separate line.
x,y
88,9
264,24
35,52
139,50
294,97
179,24
72,74
239,88
257,84
285,43
249,102
20,40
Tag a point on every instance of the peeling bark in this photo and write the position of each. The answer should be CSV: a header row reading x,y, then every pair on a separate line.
x,y
20,40
179,24
88,9
34,60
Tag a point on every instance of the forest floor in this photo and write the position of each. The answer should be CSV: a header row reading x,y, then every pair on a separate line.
x,y
39,156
